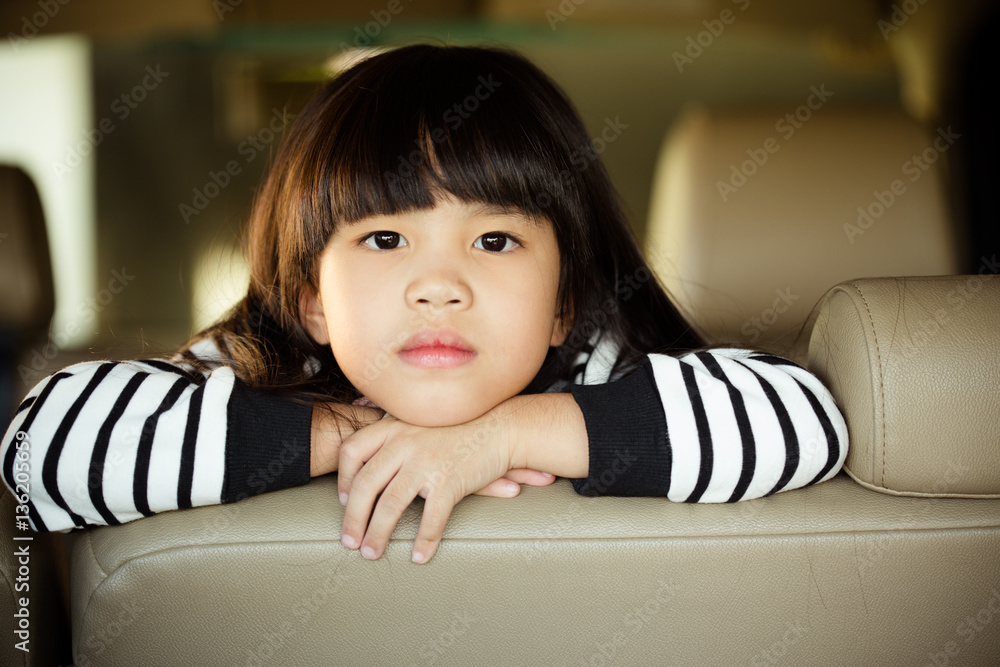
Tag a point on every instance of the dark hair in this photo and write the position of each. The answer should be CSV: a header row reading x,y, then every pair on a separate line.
x,y
481,123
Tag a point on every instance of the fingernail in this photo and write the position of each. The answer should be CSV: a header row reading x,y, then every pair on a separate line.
x,y
511,487
343,498
419,558
368,552
546,474
349,542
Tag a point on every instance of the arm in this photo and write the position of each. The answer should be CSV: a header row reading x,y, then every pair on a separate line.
x,y
109,442
330,427
548,432
713,426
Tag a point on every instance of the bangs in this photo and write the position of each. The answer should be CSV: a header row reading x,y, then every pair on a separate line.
x,y
421,122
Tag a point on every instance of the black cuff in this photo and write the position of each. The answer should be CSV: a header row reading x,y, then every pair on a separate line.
x,y
267,443
629,451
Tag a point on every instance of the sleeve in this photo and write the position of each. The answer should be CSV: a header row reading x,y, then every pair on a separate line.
x,y
719,425
102,443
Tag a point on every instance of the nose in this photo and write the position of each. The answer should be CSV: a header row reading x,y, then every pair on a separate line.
x,y
438,287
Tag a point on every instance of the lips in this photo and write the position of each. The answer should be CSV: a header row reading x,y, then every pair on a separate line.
x,y
436,348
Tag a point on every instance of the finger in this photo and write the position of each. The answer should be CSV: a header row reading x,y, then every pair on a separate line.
x,y
529,476
356,450
376,475
500,488
436,512
388,509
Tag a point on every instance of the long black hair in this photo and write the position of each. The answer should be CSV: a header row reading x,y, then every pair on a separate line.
x,y
481,123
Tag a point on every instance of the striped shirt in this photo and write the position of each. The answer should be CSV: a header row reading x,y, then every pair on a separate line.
x,y
107,442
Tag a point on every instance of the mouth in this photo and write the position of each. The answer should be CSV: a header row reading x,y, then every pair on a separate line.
x,y
436,348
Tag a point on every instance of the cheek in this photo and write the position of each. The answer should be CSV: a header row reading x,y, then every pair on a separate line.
x,y
533,299
351,312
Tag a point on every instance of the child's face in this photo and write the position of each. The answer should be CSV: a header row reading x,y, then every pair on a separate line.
x,y
456,268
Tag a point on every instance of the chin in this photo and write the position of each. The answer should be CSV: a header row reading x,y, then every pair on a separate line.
x,y
423,414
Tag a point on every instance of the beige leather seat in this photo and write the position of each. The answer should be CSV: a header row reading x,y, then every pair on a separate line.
x,y
872,567
754,215
832,574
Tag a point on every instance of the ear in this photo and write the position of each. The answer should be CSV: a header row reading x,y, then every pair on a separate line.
x,y
561,330
312,316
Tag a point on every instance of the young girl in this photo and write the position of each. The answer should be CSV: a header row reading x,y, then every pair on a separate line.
x,y
445,298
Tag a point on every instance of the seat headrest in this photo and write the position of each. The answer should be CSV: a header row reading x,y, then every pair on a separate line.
x,y
912,362
27,300
755,214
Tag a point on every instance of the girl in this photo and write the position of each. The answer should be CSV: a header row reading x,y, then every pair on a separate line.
x,y
445,298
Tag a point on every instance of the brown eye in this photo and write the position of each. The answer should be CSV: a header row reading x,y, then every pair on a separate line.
x,y
384,240
496,242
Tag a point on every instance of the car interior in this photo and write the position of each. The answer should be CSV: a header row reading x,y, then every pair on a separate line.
x,y
814,180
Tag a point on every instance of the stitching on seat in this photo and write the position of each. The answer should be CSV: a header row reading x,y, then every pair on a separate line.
x,y
881,388
90,599
93,556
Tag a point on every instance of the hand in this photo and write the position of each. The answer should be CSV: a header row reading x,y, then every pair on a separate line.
x,y
331,426
441,464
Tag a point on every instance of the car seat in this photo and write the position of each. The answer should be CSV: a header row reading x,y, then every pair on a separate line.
x,y
755,214
871,567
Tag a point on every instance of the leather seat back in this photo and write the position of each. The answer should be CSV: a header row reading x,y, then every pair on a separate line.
x,y
754,215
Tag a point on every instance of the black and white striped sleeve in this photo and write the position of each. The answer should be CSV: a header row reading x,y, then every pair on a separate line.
x,y
720,425
108,442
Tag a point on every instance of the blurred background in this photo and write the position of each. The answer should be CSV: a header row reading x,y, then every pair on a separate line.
x,y
146,127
